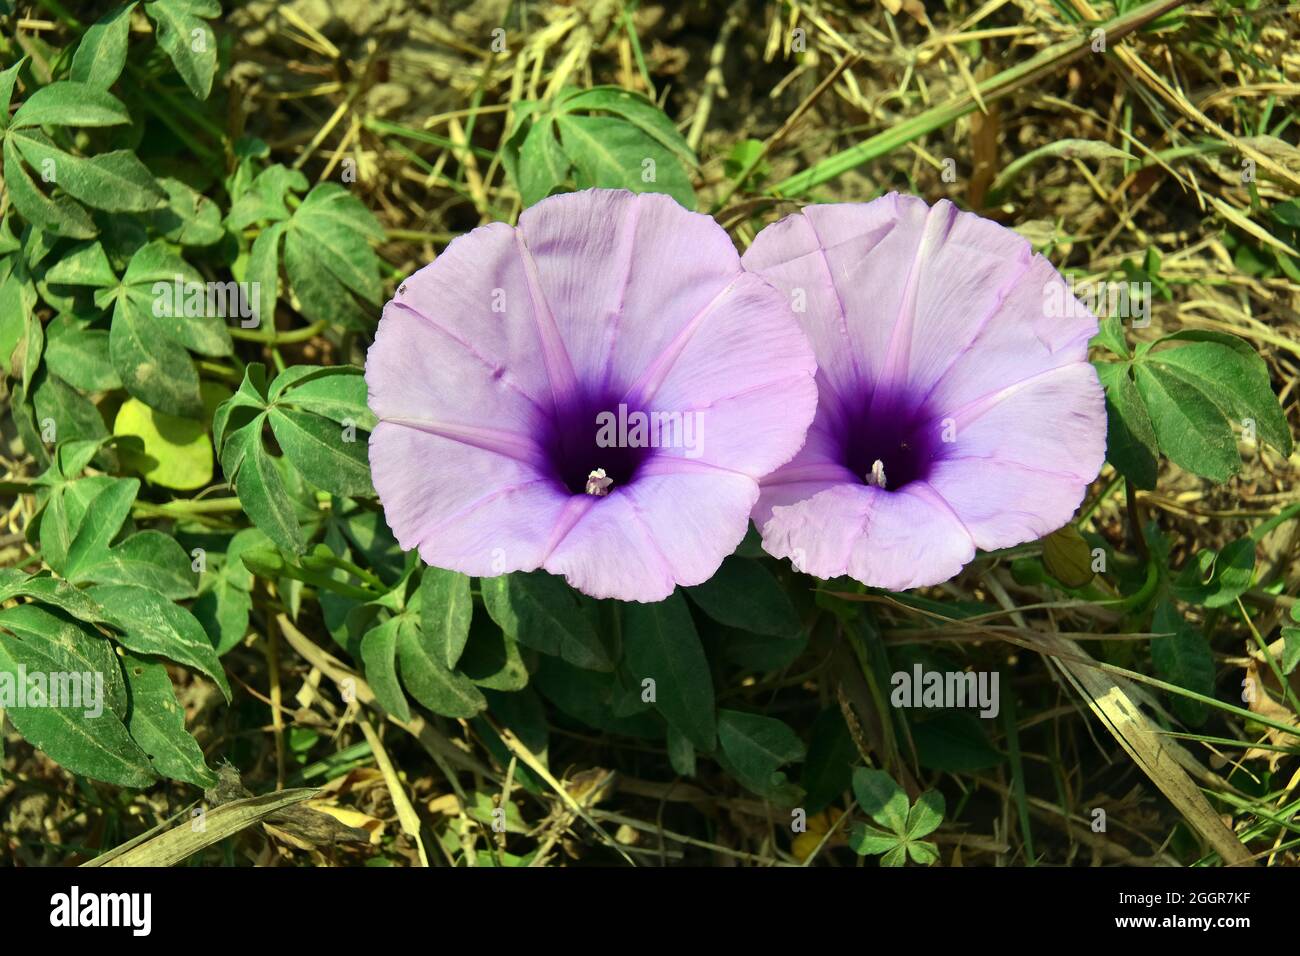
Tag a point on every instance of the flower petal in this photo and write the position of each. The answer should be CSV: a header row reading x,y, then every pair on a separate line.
x,y
480,294
465,507
672,526
614,269
815,468
417,371
1004,504
896,540
745,372
1053,421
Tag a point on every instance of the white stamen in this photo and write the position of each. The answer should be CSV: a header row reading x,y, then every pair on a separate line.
x,y
877,476
598,484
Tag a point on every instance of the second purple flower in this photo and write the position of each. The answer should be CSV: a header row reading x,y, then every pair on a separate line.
x,y
957,406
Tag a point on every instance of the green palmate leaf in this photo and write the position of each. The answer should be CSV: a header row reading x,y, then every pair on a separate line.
x,y
62,412
337,392
84,264
1182,658
263,268
152,624
79,355
46,589
328,258
542,163
68,103
660,643
743,594
379,657
1227,371
264,198
86,734
157,723
637,110
317,294
156,319
100,522
191,315
1192,431
330,206
429,680
613,154
147,558
61,215
74,645
257,481
7,80
925,816
446,610
76,532
239,409
1131,444
64,509
101,54
173,452
754,748
224,603
540,612
330,456
881,799
69,460
189,217
188,39
1217,580
866,840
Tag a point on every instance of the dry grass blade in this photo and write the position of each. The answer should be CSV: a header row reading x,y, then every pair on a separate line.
x,y
181,842
1003,84
1142,741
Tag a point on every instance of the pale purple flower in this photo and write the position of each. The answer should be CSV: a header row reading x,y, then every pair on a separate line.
x,y
497,369
957,408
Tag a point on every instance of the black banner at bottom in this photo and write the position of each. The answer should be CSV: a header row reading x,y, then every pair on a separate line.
x,y
124,907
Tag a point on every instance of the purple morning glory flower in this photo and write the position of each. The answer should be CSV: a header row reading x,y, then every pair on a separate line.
x,y
957,408
595,392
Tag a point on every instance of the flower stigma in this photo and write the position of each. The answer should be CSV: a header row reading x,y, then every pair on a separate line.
x,y
598,483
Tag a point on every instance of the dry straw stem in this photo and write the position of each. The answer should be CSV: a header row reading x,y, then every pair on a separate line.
x,y
441,750
996,87
406,815
173,846
1144,742
444,753
1135,64
1100,685
1157,756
